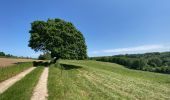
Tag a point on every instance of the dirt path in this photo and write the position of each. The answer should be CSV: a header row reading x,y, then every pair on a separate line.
x,y
40,91
9,82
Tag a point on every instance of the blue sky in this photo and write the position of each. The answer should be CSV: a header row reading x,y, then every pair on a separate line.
x,y
109,26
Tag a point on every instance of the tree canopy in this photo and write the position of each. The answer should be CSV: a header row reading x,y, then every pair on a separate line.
x,y
2,54
58,37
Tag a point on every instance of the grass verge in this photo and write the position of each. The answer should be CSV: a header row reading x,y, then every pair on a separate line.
x,y
22,90
7,72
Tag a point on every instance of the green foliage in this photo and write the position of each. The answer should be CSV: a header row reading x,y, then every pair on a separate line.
x,y
45,56
138,64
155,62
2,54
7,72
58,37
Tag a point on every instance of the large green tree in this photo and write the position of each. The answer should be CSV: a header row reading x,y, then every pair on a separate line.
x,y
58,37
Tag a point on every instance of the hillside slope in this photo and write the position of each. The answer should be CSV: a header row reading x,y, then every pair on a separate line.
x,y
92,80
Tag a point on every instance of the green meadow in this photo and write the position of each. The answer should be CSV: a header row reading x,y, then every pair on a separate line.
x,y
92,80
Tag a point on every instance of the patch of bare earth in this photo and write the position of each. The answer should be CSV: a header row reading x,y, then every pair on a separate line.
x,y
11,61
40,91
9,82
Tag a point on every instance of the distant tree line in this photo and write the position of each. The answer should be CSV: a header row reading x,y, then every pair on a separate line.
x,y
4,55
154,62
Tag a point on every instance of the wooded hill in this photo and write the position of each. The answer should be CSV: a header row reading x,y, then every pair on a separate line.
x,y
155,62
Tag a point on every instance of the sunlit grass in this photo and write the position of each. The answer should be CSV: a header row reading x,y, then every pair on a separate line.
x,y
91,80
23,89
7,72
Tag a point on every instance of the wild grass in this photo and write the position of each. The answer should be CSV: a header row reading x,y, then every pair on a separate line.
x,y
23,89
92,80
7,72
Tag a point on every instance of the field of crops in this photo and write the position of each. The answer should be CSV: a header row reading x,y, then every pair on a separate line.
x,y
4,62
91,80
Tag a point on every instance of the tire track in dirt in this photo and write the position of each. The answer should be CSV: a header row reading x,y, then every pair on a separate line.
x,y
41,92
4,85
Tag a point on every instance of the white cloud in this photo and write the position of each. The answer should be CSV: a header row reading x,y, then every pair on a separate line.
x,y
138,49
133,49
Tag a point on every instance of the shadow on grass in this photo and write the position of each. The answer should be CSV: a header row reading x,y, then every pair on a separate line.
x,y
41,63
17,63
69,67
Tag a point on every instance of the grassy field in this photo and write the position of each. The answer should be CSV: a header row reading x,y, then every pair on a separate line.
x,y
23,89
7,72
92,80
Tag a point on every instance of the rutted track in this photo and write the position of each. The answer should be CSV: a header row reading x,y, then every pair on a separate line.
x,y
40,91
9,82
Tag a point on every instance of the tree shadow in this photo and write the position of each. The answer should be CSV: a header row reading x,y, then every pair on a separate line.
x,y
17,63
41,63
69,67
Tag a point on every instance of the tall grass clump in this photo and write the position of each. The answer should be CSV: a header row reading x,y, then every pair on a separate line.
x,y
7,72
